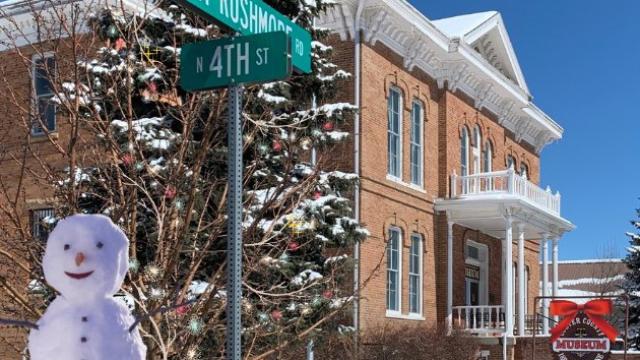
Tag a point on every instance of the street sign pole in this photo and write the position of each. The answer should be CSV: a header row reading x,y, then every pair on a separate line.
x,y
234,224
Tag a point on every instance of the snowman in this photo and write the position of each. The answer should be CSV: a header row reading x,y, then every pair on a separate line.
x,y
86,260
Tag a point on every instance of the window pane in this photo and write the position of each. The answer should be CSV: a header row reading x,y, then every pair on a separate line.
x,y
393,258
44,71
47,114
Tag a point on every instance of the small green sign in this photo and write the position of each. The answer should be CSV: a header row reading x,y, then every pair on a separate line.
x,y
240,60
249,17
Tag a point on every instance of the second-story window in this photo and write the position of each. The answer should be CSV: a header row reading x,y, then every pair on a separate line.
x,y
487,157
416,143
415,275
524,169
511,162
394,132
464,152
393,270
44,110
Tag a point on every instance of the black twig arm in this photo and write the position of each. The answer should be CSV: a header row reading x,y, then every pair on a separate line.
x,y
19,323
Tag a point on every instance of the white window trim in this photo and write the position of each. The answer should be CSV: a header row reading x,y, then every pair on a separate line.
x,y
396,313
420,183
34,93
420,274
400,119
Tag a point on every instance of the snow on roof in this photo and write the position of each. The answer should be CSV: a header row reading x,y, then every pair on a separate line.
x,y
459,26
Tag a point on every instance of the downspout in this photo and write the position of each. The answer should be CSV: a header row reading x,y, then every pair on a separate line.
x,y
356,168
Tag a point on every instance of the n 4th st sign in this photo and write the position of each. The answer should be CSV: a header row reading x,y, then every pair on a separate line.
x,y
249,17
232,61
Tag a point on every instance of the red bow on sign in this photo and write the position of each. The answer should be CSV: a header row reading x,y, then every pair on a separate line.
x,y
594,309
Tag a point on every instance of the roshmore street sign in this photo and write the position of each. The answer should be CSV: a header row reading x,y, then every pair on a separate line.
x,y
249,17
233,61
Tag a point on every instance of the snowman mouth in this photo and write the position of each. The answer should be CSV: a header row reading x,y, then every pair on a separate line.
x,y
78,276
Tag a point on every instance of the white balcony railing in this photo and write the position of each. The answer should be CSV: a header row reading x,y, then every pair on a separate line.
x,y
504,182
480,320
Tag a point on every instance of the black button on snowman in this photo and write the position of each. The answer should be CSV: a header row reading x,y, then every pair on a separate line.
x,y
86,261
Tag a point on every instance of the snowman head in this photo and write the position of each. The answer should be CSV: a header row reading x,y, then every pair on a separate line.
x,y
86,256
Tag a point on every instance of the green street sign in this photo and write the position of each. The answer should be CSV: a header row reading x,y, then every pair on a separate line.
x,y
232,61
249,17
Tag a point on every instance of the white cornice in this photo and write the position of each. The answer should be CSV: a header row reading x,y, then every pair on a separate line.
x,y
450,62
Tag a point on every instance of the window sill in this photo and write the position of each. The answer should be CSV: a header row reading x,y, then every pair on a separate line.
x,y
399,315
37,138
412,186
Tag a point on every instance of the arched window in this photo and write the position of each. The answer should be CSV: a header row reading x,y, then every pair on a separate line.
x,y
464,152
415,275
416,143
477,143
394,133
394,270
487,158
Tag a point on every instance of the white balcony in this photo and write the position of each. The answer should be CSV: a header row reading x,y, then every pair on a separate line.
x,y
507,207
482,320
481,201
506,182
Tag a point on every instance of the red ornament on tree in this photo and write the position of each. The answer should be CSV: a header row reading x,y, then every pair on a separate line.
x,y
153,87
182,309
120,44
328,126
293,246
327,294
276,315
127,159
276,146
170,192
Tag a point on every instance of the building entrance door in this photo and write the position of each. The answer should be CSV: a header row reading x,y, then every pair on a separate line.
x,y
472,292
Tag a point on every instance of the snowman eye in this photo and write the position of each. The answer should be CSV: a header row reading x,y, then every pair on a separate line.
x,y
67,247
99,245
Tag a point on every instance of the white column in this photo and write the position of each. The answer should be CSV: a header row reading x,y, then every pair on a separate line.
x,y
554,259
449,274
521,281
544,249
508,279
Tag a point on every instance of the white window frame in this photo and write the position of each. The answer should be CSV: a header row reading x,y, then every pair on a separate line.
x,y
397,176
35,97
398,271
419,144
418,274
513,162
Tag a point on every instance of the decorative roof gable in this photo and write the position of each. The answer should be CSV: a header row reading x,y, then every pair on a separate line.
x,y
485,33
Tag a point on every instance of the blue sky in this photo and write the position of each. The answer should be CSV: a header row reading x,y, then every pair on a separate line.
x,y
581,60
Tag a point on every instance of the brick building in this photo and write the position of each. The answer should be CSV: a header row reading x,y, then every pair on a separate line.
x,y
447,144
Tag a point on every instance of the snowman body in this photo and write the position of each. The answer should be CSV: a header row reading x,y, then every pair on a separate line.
x,y
96,329
86,260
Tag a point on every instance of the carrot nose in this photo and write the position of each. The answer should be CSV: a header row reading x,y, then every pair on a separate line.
x,y
80,258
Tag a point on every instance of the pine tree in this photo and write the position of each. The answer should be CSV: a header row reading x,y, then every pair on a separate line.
x,y
154,159
631,285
